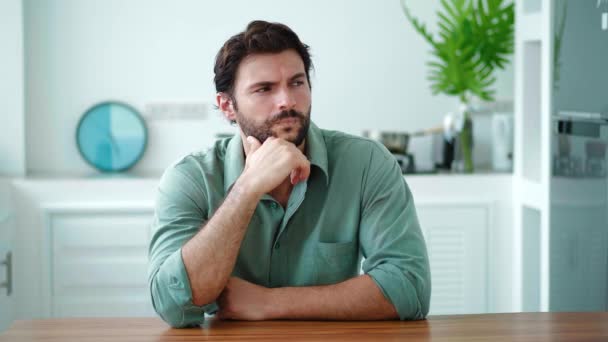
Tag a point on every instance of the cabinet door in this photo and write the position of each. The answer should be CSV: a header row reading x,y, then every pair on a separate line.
x,y
7,293
578,257
99,264
456,238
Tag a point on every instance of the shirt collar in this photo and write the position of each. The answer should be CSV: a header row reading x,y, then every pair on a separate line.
x,y
234,161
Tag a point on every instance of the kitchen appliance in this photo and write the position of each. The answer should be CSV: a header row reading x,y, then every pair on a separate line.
x,y
578,232
397,143
443,152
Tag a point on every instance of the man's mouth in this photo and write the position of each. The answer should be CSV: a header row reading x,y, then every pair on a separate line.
x,y
287,121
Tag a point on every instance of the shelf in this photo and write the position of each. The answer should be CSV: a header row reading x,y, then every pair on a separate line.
x,y
99,206
477,173
93,175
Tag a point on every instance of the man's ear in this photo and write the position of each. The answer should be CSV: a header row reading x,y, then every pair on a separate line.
x,y
225,104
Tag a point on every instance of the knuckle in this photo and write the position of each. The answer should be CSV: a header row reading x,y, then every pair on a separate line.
x,y
293,158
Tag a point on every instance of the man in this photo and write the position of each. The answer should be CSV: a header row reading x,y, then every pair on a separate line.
x,y
272,223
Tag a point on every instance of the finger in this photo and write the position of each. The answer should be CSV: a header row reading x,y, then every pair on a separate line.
x,y
306,172
294,176
254,144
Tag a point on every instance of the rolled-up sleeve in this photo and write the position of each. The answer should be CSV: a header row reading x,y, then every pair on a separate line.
x,y
391,239
180,211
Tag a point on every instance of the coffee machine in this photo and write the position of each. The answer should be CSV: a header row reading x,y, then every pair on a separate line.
x,y
397,143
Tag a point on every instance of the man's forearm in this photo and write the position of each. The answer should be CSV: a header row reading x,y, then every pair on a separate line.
x,y
209,257
355,299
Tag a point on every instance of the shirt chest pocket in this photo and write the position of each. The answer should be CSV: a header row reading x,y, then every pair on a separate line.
x,y
335,262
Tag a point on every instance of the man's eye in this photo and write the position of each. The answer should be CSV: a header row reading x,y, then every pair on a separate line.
x,y
298,83
262,90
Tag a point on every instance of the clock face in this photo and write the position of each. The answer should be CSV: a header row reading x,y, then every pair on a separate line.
x,y
111,136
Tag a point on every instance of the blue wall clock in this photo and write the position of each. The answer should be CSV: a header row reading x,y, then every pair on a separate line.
x,y
111,136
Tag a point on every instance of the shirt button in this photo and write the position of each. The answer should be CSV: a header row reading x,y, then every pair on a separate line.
x,y
277,246
273,205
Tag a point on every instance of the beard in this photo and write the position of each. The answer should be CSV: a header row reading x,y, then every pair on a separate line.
x,y
267,129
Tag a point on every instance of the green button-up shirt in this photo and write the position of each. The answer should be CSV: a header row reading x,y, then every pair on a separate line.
x,y
355,204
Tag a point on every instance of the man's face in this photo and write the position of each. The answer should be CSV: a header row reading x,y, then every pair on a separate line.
x,y
272,97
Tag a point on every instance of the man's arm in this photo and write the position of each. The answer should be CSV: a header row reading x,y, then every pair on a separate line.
x,y
354,299
189,263
396,267
209,257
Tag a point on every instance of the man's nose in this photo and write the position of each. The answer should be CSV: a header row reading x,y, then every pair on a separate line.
x,y
285,99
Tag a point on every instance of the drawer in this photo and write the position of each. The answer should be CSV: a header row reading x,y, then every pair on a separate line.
x,y
99,264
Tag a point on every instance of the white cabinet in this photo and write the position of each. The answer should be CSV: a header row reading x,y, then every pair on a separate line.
x,y
83,247
98,263
467,225
99,259
83,244
456,238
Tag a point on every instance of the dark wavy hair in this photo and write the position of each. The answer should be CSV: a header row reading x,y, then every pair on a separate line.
x,y
258,37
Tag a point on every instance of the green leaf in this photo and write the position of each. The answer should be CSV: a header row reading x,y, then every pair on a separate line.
x,y
475,37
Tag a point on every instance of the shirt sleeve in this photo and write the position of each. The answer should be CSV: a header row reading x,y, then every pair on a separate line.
x,y
180,210
391,239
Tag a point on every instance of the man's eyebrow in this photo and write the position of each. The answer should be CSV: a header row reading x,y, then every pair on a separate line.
x,y
261,84
269,83
298,75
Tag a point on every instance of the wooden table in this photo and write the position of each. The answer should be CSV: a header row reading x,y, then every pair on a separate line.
x,y
489,327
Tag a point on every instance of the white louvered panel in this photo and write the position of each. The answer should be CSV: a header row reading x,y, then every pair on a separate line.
x,y
456,238
99,264
447,266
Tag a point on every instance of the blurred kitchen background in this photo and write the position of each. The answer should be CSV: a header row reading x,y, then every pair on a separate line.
x,y
524,230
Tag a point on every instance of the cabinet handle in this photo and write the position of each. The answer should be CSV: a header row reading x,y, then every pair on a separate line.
x,y
8,284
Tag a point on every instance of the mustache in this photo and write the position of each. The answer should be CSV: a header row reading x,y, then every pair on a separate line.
x,y
287,114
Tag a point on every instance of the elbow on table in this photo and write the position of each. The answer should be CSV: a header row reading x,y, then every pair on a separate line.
x,y
165,306
425,301
414,303
423,294
173,318
174,310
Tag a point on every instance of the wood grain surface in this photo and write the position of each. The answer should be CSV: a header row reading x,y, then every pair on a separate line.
x,y
486,327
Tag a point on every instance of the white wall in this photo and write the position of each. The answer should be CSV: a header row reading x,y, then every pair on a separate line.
x,y
12,131
370,67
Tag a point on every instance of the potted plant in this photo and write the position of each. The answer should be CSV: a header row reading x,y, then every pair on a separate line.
x,y
475,37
